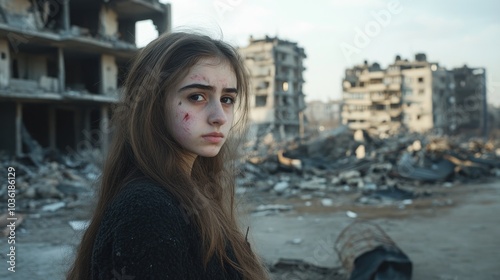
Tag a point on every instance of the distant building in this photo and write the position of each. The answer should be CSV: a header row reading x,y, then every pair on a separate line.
x,y
470,98
277,100
62,64
416,95
322,115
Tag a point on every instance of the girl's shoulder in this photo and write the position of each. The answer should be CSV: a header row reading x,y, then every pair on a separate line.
x,y
144,229
142,201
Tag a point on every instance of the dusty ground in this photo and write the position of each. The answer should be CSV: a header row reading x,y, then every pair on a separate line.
x,y
451,235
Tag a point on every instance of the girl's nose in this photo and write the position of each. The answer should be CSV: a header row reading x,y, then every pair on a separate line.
x,y
217,115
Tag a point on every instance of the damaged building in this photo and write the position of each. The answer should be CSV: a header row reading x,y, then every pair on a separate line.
x,y
62,64
415,95
470,104
277,100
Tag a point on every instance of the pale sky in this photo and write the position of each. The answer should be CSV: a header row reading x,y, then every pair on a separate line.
x,y
452,33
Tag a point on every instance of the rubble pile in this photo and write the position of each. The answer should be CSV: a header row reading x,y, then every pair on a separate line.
x,y
58,183
381,170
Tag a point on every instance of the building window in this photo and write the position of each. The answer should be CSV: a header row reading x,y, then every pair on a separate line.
x,y
421,79
421,92
263,85
285,86
260,100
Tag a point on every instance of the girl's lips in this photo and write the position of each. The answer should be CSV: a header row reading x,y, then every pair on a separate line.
x,y
214,137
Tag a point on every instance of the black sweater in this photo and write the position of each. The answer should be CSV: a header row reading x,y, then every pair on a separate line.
x,y
145,234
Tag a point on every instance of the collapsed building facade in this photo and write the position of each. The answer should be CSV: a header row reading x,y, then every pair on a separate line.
x,y
62,64
277,100
416,95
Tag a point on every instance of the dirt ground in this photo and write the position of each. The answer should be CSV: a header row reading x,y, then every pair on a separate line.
x,y
450,235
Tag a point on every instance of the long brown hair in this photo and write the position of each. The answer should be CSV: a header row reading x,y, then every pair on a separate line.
x,y
142,145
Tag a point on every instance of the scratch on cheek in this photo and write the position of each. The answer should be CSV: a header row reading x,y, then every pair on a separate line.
x,y
186,117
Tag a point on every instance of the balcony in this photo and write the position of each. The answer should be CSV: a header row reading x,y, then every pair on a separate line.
x,y
376,87
359,125
356,115
378,97
366,102
395,100
394,86
380,116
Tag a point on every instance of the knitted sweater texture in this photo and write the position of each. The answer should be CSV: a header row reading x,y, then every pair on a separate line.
x,y
146,234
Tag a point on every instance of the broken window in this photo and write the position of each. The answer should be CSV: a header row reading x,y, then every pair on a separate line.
x,y
85,18
260,100
263,85
82,72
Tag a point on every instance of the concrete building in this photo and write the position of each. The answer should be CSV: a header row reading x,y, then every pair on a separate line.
x,y
62,64
277,100
372,98
416,95
321,115
470,101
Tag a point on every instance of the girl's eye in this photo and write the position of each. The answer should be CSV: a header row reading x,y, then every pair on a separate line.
x,y
227,100
197,97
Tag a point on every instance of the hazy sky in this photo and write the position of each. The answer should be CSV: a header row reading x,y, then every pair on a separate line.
x,y
452,33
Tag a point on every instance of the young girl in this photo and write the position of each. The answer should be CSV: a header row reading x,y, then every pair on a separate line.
x,y
166,203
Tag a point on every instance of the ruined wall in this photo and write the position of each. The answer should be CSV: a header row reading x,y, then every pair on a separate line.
x,y
109,72
260,63
108,20
417,99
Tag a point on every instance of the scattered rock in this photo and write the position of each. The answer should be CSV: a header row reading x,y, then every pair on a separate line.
x,y
53,207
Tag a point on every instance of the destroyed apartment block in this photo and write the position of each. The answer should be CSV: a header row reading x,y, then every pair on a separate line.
x,y
417,96
276,96
62,65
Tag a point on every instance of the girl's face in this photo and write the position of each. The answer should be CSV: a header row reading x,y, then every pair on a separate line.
x,y
201,110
